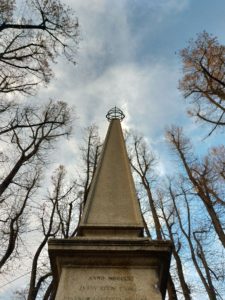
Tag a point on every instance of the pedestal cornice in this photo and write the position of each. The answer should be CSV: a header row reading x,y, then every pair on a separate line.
x,y
84,252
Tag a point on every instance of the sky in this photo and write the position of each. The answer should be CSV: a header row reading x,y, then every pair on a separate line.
x,y
128,57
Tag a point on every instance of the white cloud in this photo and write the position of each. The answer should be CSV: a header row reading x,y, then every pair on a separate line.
x,y
109,72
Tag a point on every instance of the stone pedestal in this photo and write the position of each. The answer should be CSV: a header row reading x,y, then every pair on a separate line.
x,y
109,269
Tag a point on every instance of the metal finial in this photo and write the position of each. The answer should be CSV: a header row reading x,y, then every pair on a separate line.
x,y
115,113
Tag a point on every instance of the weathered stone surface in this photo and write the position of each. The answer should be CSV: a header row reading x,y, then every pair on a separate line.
x,y
108,284
110,259
140,257
112,200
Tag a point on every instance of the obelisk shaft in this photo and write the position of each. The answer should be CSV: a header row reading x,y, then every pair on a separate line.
x,y
112,200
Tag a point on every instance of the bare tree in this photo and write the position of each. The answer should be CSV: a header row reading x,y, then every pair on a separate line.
x,y
168,216
204,79
192,236
13,215
90,152
217,161
26,139
202,178
60,213
33,34
31,39
142,161
58,219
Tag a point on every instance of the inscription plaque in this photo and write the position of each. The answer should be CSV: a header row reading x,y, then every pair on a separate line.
x,y
108,284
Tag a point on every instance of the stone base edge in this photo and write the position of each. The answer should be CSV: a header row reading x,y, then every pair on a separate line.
x,y
138,253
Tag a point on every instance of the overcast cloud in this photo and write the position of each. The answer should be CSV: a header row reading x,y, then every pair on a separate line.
x,y
127,57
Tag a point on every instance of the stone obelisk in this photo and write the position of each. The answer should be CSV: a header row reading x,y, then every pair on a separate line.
x,y
110,259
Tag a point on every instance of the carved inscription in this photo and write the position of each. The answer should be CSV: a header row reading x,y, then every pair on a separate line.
x,y
108,284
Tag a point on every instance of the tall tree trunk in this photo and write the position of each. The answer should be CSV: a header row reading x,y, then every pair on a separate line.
x,y
185,289
205,197
172,293
190,243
